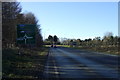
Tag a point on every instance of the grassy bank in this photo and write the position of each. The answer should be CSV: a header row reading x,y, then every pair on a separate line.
x,y
28,64
106,50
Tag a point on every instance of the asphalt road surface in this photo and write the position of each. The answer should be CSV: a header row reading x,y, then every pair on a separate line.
x,y
78,64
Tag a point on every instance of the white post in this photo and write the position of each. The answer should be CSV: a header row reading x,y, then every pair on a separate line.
x,y
25,41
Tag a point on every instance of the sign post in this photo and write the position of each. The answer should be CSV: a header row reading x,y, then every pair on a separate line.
x,y
26,34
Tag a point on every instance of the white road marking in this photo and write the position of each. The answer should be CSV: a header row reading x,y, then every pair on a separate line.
x,y
55,67
47,67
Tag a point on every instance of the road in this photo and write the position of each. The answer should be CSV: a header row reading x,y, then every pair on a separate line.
x,y
77,64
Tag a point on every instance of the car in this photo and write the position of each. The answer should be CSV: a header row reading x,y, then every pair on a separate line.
x,y
55,46
51,45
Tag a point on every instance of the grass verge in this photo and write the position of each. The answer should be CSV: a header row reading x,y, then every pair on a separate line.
x,y
28,64
105,50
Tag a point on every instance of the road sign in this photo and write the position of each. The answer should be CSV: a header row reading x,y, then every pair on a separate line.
x,y
26,33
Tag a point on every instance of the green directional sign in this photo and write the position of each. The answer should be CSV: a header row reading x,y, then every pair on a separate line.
x,y
26,33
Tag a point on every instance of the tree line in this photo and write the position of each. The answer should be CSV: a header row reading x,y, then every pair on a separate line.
x,y
52,40
11,16
108,43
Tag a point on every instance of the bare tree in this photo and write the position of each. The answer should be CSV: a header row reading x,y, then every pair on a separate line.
x,y
10,10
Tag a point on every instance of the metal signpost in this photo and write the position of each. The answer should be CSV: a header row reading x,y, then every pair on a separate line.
x,y
26,34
